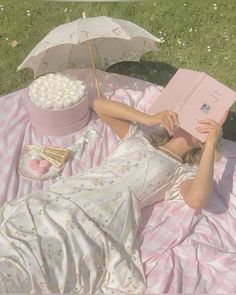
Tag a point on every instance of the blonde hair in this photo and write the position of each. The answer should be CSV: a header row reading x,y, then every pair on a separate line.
x,y
192,157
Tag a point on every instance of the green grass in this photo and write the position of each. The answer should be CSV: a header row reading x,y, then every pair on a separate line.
x,y
187,26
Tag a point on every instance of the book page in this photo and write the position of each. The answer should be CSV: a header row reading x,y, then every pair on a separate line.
x,y
209,101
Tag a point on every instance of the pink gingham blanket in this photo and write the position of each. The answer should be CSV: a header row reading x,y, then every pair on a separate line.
x,y
183,250
189,251
16,129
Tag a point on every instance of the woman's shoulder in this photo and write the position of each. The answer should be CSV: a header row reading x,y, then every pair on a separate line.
x,y
133,131
185,171
135,139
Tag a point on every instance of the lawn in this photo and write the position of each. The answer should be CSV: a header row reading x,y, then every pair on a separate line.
x,y
196,34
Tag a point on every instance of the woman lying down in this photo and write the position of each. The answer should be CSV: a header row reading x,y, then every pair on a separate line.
x,y
79,235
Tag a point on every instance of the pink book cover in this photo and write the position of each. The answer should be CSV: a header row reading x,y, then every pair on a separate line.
x,y
194,96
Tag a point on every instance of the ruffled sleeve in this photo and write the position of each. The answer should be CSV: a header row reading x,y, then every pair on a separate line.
x,y
183,172
134,129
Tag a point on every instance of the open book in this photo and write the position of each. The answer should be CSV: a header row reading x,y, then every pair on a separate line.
x,y
194,96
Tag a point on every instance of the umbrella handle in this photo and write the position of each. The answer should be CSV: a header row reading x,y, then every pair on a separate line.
x,y
93,63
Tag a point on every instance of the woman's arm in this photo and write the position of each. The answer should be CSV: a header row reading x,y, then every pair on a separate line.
x,y
196,192
118,115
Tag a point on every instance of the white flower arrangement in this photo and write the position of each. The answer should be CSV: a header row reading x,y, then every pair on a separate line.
x,y
56,91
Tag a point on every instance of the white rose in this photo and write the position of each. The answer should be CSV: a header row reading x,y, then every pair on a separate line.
x,y
80,93
64,84
78,82
65,97
31,93
60,78
37,102
48,105
67,102
75,99
59,104
74,87
43,89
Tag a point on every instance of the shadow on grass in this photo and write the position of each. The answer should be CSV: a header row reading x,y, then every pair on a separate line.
x,y
160,73
155,72
229,127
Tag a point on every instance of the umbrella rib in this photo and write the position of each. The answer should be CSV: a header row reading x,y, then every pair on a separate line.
x,y
42,59
45,52
69,54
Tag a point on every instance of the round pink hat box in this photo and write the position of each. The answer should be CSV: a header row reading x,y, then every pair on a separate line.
x,y
59,122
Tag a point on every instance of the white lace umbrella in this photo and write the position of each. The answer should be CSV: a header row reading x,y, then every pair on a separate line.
x,y
112,41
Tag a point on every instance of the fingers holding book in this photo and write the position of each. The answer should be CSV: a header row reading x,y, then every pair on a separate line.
x,y
211,127
167,119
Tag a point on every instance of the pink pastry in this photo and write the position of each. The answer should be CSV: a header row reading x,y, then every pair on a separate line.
x,y
33,163
43,163
40,171
39,167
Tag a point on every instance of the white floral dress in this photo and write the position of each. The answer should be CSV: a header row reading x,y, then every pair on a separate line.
x,y
79,235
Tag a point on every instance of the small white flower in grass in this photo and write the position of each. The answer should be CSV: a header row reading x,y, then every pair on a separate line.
x,y
28,14
215,7
179,57
226,36
65,10
154,4
215,4
208,48
195,30
151,18
6,39
179,41
2,8
190,30
185,4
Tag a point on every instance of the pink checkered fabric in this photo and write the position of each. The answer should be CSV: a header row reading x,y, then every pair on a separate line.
x,y
16,130
189,251
183,250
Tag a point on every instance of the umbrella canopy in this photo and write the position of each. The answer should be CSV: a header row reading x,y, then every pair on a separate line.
x,y
112,40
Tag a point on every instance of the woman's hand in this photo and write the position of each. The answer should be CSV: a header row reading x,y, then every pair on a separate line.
x,y
213,129
166,118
